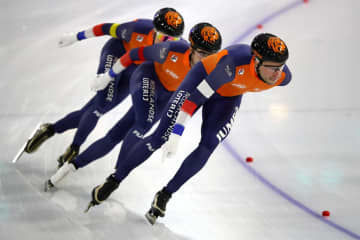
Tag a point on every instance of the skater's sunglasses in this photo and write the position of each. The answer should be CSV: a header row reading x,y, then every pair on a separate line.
x,y
274,68
164,37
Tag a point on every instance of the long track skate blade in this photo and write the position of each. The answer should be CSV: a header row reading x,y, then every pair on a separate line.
x,y
22,149
19,154
91,204
48,186
151,218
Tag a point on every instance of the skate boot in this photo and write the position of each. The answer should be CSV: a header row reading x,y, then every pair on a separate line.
x,y
158,206
41,135
101,192
70,154
50,184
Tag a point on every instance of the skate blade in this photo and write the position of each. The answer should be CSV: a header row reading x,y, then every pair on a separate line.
x,y
91,204
49,187
151,218
19,154
22,149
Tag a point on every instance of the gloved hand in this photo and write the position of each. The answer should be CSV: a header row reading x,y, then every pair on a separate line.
x,y
100,82
67,39
171,146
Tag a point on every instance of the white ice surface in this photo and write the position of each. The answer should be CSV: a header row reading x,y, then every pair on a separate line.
x,y
304,138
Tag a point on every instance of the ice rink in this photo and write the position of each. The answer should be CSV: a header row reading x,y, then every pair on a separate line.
x,y
304,138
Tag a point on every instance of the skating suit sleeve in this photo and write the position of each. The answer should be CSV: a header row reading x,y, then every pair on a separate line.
x,y
171,61
138,33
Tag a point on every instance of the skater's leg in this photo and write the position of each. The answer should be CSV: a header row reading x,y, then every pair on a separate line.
x,y
104,145
72,120
213,126
116,91
48,130
144,148
105,100
95,151
149,98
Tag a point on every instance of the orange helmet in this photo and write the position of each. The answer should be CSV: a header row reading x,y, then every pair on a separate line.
x,y
169,21
206,37
268,47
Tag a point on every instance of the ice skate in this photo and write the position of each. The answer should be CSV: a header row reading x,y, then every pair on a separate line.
x,y
158,206
50,184
152,215
19,153
70,154
101,192
43,133
22,149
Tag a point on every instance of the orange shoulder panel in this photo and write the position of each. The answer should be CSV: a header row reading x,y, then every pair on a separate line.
x,y
246,80
139,40
173,71
211,61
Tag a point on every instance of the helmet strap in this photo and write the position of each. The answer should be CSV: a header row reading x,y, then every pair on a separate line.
x,y
154,37
257,69
190,57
